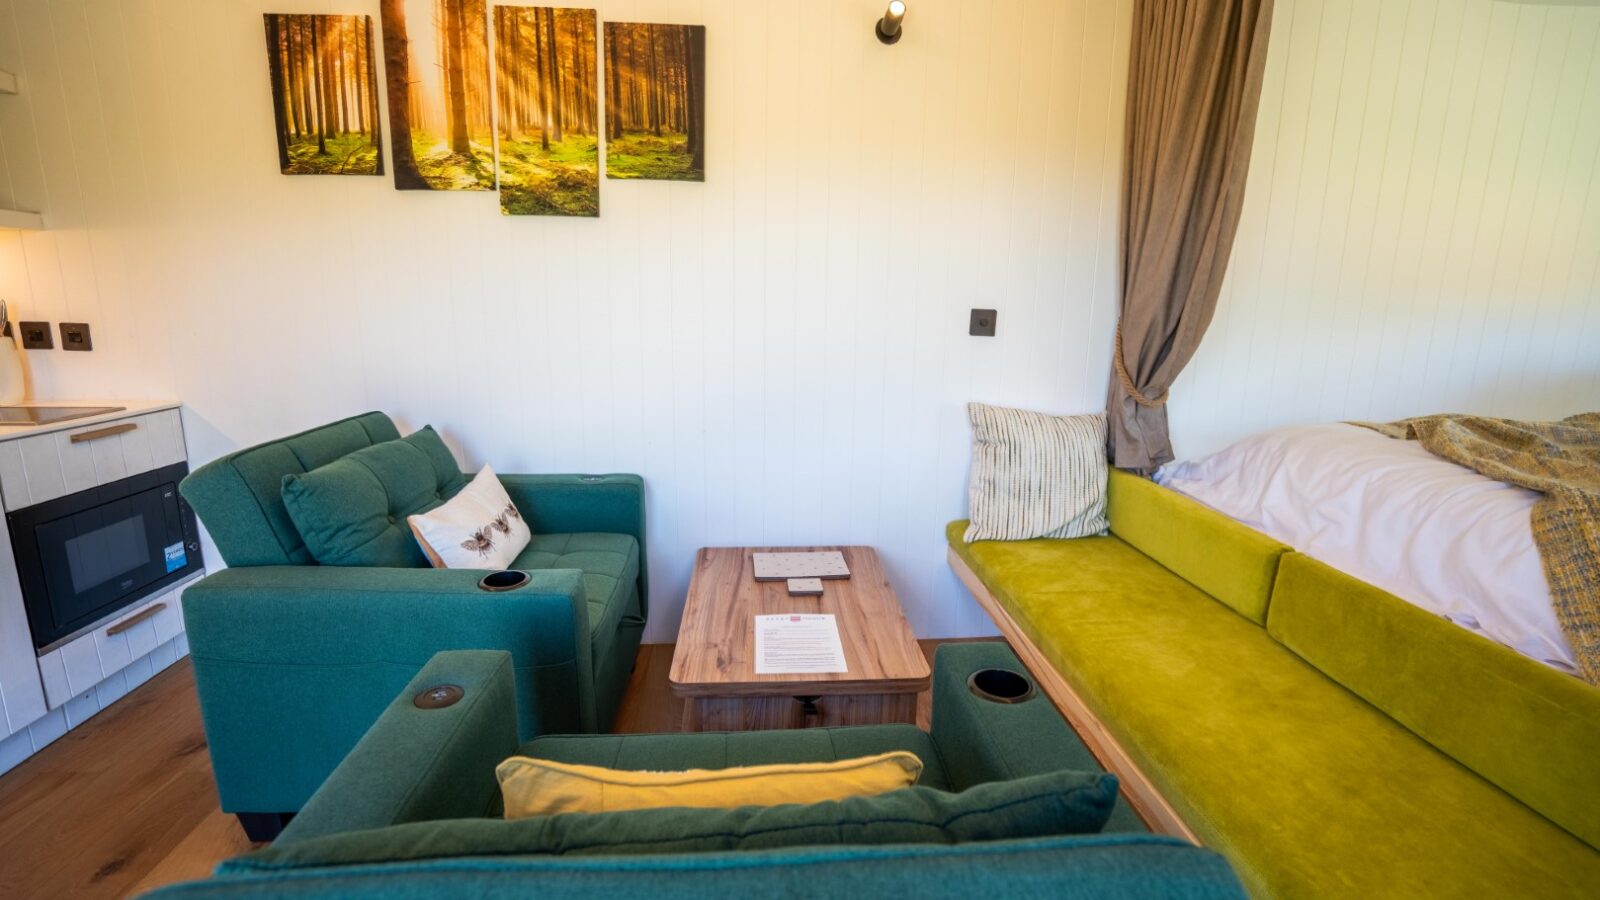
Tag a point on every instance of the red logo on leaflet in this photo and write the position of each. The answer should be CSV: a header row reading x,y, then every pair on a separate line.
x,y
794,618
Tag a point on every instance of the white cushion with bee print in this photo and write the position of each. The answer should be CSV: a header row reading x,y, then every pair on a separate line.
x,y
480,528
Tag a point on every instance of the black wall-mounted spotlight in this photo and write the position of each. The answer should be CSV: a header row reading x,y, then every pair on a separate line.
x,y
889,26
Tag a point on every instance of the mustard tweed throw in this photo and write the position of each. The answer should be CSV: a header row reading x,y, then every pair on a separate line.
x,y
1558,459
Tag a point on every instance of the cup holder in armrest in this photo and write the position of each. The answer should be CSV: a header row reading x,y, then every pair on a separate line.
x,y
1001,685
504,580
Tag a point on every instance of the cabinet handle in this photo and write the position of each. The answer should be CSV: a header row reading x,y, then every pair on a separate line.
x,y
108,431
135,619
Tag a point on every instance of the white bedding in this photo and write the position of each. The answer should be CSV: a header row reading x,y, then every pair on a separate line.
x,y
1431,532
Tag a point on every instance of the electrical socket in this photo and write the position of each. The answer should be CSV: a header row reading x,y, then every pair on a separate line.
x,y
36,336
75,336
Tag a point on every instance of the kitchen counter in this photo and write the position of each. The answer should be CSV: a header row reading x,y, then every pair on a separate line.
x,y
130,408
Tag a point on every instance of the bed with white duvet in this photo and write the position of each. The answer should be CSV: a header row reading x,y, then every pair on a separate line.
x,y
1433,533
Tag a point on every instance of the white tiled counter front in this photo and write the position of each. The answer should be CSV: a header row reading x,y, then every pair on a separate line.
x,y
42,697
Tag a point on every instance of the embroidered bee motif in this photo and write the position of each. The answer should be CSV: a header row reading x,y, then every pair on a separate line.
x,y
481,540
500,524
511,510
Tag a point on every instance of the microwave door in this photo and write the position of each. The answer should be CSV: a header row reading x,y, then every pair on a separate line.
x,y
92,559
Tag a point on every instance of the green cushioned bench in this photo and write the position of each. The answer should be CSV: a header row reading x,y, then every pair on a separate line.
x,y
1329,739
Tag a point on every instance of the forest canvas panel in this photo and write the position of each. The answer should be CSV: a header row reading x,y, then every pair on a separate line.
x,y
324,94
655,101
548,111
436,67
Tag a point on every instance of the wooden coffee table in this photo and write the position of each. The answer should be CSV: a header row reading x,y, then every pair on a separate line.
x,y
713,666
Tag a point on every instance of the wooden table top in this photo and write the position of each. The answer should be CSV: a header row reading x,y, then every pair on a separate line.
x,y
715,655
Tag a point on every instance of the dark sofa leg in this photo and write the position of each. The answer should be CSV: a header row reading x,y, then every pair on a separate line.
x,y
261,828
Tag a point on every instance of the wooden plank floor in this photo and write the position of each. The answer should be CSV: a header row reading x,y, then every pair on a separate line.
x,y
126,802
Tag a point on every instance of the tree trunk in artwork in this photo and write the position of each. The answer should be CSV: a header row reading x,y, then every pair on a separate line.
x,y
654,84
544,82
555,109
319,90
695,60
345,119
280,109
614,93
396,68
302,109
455,75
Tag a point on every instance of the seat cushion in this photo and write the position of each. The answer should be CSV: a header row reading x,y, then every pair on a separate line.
x,y
352,511
610,567
1307,789
1523,725
721,750
1233,563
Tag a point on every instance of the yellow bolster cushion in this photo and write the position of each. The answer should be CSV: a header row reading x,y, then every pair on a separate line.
x,y
539,787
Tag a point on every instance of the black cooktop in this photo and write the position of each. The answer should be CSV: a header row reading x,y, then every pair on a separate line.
x,y
49,415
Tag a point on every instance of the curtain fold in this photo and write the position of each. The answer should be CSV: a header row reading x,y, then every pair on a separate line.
x,y
1194,82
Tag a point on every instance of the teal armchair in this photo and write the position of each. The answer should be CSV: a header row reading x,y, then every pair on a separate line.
x,y
414,810
294,661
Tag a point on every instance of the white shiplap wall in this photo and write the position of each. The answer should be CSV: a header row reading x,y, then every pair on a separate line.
x,y
1421,230
781,351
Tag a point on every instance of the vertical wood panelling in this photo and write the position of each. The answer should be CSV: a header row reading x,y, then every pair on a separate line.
x,y
780,351
1421,231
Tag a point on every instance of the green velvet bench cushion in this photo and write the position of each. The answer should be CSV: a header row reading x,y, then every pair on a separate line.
x,y
1526,727
1307,789
1234,564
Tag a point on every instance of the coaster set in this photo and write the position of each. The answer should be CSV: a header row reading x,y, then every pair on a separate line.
x,y
804,571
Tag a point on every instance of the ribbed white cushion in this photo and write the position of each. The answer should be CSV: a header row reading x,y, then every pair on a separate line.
x,y
1035,475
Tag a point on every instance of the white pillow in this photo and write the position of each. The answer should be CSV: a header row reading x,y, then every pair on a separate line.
x,y
1035,475
480,528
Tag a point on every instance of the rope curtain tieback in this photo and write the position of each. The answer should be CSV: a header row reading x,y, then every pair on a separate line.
x,y
1127,380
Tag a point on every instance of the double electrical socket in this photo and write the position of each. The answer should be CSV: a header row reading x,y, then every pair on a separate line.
x,y
74,336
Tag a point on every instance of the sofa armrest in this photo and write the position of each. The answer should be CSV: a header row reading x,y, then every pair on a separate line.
x,y
981,740
294,663
329,615
612,504
420,764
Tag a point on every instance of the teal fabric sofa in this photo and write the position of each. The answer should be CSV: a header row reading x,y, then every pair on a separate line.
x,y
294,661
413,811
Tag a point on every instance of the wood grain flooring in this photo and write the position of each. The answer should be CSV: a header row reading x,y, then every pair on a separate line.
x,y
125,803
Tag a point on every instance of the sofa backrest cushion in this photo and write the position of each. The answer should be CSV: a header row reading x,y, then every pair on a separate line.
x,y
238,496
1132,867
1233,563
352,511
1527,728
1055,803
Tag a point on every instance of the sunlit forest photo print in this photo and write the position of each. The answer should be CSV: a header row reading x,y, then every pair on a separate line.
x,y
324,94
436,65
655,101
548,111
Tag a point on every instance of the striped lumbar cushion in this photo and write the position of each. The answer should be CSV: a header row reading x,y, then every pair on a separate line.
x,y
1035,475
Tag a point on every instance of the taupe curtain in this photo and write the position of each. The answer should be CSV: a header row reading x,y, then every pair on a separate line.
x,y
1194,81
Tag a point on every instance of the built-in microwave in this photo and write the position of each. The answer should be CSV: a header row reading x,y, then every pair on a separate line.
x,y
84,557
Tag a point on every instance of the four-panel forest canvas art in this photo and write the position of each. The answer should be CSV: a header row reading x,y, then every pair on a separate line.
x,y
484,97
